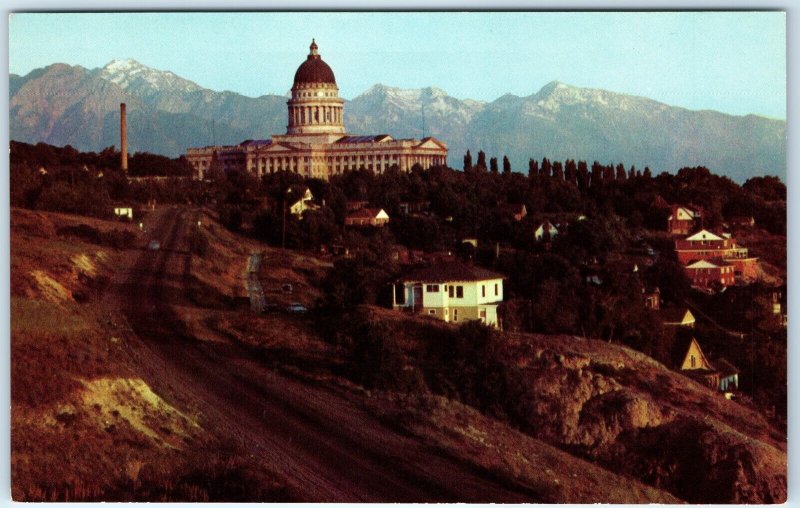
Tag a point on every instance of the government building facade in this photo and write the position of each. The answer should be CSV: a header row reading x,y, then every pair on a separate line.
x,y
316,143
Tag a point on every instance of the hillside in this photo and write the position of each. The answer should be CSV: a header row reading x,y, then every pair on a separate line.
x,y
166,407
606,403
167,114
94,415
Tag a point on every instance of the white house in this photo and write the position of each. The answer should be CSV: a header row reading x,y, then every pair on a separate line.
x,y
303,203
451,291
123,211
546,228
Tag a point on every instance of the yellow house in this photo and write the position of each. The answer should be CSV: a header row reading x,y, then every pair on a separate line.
x,y
694,358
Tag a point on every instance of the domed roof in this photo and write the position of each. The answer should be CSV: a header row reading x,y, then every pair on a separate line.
x,y
314,70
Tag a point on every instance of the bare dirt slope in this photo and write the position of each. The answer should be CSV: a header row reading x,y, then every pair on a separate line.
x,y
85,423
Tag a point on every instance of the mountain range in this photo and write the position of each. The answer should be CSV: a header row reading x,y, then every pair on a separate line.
x,y
62,104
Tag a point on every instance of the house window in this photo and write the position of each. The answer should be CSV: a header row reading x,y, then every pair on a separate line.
x,y
496,290
459,291
432,288
451,291
483,315
455,314
692,360
483,291
432,312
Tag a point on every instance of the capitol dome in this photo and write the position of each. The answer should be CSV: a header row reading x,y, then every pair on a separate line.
x,y
314,70
315,106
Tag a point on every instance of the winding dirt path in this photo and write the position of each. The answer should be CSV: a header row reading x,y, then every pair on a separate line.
x,y
326,445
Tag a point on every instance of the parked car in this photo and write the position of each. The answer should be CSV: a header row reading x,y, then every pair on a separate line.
x,y
296,308
154,245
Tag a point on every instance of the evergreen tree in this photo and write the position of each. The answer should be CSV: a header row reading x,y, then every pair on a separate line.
x,y
481,160
533,168
546,168
621,175
570,171
467,161
558,171
632,172
608,173
493,164
647,173
597,174
583,175
506,165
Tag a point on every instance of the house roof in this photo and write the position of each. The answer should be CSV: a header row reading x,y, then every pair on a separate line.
x,y
676,315
681,350
703,234
452,271
365,213
707,263
546,225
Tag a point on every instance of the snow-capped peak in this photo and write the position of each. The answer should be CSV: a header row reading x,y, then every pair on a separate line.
x,y
129,73
122,65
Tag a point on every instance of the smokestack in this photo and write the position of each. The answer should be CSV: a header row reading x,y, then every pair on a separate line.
x,y
123,133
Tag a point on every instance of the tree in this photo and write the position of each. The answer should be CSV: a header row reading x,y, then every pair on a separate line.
x,y
467,161
608,173
597,174
493,164
583,175
533,168
545,168
506,165
647,174
558,172
481,161
621,175
769,188
570,171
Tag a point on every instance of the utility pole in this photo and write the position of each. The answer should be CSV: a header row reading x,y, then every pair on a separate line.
x,y
423,120
283,229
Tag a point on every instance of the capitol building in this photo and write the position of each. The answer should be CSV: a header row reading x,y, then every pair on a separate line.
x,y
316,144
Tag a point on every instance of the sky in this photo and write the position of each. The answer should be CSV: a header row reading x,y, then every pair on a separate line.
x,y
734,62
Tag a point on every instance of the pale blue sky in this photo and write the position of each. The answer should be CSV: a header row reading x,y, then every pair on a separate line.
x,y
733,62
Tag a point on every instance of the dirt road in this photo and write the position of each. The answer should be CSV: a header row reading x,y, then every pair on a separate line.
x,y
326,445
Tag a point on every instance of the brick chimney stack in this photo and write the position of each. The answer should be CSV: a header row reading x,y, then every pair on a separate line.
x,y
123,133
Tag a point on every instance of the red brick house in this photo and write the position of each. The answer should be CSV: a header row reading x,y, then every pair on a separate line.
x,y
705,245
375,217
710,274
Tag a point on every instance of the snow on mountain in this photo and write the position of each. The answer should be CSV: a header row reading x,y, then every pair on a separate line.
x,y
131,74
64,104
435,101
